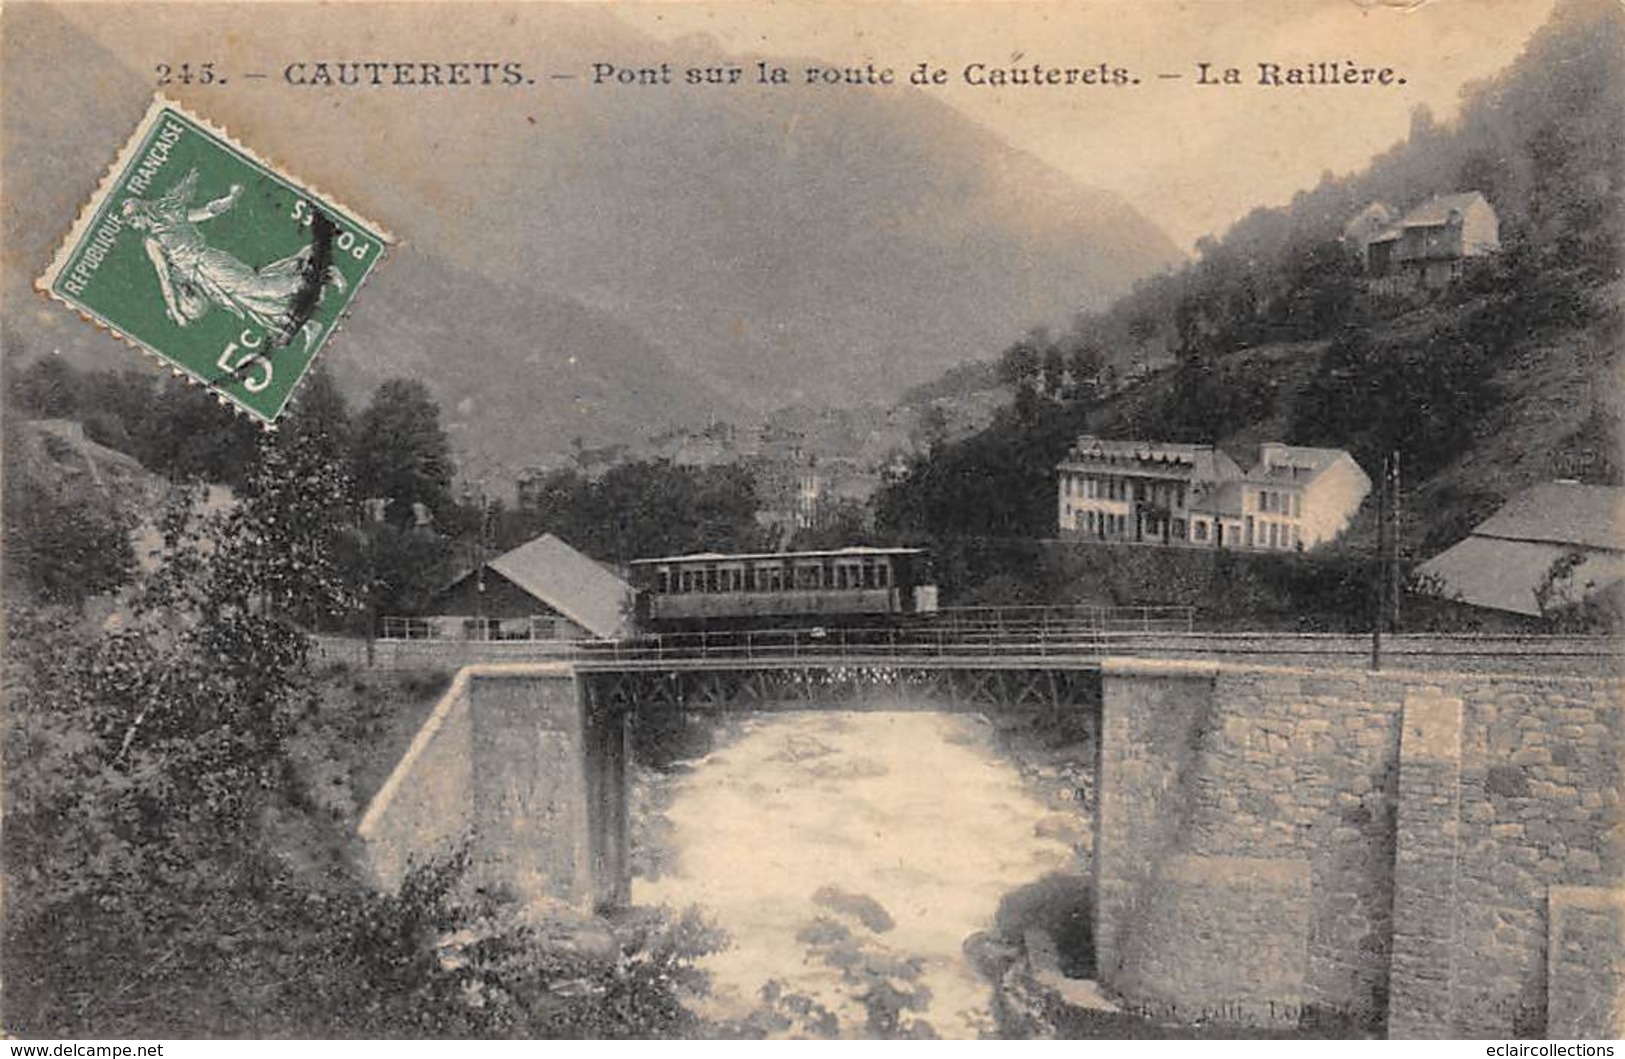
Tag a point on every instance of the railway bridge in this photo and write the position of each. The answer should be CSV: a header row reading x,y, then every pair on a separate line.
x,y
1428,849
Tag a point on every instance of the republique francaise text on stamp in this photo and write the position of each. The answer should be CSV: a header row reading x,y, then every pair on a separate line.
x,y
211,260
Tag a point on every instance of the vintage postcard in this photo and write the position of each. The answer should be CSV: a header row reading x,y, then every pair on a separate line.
x,y
877,520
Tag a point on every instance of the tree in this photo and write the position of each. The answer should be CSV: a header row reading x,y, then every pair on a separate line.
x,y
46,389
933,430
1018,365
1085,366
62,544
1054,372
1321,283
401,455
1569,605
153,787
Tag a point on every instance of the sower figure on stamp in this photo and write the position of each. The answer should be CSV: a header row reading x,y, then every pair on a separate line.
x,y
194,275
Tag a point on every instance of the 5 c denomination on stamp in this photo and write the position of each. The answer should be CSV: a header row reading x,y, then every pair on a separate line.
x,y
211,260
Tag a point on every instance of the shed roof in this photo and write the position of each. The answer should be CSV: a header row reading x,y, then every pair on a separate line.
x,y
570,583
1503,574
1591,516
1512,551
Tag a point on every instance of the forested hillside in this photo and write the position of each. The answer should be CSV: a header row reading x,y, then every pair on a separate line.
x,y
1508,377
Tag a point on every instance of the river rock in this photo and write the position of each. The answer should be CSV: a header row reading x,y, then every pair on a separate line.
x,y
862,907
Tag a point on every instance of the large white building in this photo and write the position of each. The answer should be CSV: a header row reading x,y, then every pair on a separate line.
x,y
1292,497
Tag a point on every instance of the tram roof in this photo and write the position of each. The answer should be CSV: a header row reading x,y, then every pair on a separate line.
x,y
856,551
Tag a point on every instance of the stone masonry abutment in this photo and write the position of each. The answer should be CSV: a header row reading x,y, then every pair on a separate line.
x,y
1416,854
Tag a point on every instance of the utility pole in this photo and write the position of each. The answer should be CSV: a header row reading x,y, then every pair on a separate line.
x,y
1381,610
1394,539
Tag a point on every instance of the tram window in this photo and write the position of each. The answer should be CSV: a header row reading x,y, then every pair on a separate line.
x,y
663,582
750,579
882,575
685,580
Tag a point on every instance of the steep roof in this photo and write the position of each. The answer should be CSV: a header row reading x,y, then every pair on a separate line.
x,y
1293,463
1510,553
1375,217
1591,516
570,583
1503,575
1437,210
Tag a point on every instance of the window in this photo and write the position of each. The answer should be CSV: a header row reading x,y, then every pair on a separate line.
x,y
883,575
664,586
1199,530
1274,535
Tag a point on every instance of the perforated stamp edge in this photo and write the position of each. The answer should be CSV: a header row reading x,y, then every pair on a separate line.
x,y
92,208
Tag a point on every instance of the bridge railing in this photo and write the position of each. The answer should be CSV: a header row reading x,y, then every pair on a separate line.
x,y
899,643
1069,616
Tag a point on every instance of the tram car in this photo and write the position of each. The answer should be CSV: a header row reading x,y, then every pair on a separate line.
x,y
845,586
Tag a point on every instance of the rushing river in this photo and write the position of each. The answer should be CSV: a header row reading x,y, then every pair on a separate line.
x,y
849,855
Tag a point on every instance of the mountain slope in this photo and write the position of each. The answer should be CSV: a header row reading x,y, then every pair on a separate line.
x,y
518,373
793,245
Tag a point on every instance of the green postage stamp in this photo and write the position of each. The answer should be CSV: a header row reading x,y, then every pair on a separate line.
x,y
206,257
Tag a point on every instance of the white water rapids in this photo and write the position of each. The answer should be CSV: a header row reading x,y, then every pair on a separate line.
x,y
800,817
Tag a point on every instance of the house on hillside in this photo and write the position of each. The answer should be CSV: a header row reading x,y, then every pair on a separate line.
x,y
1553,545
1428,247
1366,225
541,590
1291,499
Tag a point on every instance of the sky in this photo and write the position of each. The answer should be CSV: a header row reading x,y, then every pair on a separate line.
x,y
1193,160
